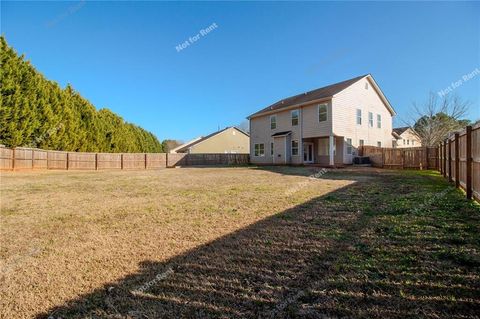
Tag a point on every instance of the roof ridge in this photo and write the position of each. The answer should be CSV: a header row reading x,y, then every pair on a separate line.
x,y
328,91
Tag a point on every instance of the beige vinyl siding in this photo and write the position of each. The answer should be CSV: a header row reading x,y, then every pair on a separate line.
x,y
311,126
260,132
408,135
228,141
345,105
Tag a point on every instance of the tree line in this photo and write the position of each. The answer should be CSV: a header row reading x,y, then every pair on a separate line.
x,y
36,112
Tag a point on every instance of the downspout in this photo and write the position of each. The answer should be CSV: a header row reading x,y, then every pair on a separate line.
x,y
301,135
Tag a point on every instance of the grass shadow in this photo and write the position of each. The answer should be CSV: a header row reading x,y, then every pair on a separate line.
x,y
350,253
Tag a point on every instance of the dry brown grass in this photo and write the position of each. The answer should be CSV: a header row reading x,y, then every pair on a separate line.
x,y
236,243
63,234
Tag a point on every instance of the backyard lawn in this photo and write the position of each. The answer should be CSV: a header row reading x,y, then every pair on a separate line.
x,y
237,242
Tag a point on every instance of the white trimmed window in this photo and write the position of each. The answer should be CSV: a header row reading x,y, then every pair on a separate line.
x,y
370,119
349,146
359,117
408,142
271,149
294,117
361,142
379,144
273,122
260,149
322,112
294,148
379,121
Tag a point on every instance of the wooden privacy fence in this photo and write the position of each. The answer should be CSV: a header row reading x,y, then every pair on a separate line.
x,y
207,159
457,158
408,158
460,160
21,158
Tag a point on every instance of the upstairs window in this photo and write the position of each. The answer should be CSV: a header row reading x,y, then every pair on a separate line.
x,y
370,119
322,112
294,117
273,122
379,121
379,144
260,149
359,117
361,142
294,148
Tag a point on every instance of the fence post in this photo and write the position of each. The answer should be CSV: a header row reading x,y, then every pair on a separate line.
x,y
96,161
402,155
68,160
469,162
439,150
444,158
383,157
121,161
145,160
13,159
426,166
457,161
450,179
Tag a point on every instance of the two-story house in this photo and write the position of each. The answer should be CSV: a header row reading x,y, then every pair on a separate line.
x,y
324,126
405,137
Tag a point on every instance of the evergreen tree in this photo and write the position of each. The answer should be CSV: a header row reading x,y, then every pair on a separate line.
x,y
36,112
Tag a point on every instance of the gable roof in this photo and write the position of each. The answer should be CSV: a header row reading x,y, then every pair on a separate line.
x,y
326,92
400,130
186,146
396,132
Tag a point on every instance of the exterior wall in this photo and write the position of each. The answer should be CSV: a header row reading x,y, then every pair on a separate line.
x,y
260,132
321,151
345,105
341,121
228,141
281,151
409,136
311,126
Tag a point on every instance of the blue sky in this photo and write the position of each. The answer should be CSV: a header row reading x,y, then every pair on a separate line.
x,y
121,55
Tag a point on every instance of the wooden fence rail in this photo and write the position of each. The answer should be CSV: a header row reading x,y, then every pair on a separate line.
x,y
22,158
401,158
457,159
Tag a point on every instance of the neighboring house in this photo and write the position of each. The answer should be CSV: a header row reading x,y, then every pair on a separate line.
x,y
405,137
323,126
228,140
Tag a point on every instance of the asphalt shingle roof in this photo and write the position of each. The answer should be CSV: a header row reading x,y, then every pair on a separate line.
x,y
324,92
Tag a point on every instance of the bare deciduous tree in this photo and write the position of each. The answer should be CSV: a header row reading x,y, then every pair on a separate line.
x,y
439,116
